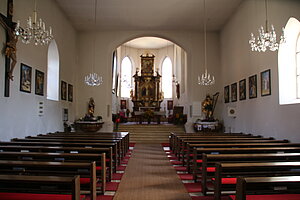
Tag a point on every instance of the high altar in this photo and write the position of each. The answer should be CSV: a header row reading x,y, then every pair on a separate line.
x,y
147,94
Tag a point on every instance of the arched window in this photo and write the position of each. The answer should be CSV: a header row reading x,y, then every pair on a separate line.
x,y
126,74
288,69
167,77
53,72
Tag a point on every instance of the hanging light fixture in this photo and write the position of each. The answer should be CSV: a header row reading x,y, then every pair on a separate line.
x,y
93,79
266,39
35,30
206,78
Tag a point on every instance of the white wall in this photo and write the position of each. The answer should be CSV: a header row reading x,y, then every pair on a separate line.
x,y
107,41
261,115
19,112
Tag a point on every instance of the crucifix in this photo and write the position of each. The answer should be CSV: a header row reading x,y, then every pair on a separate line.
x,y
10,45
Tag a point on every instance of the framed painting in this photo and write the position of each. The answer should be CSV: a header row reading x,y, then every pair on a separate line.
x,y
233,92
265,79
123,104
253,86
70,92
170,104
226,94
25,78
63,90
39,82
242,89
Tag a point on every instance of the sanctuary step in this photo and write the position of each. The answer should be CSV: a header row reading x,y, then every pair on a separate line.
x,y
150,133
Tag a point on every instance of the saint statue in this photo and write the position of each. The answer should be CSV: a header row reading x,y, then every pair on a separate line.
x,y
91,108
207,107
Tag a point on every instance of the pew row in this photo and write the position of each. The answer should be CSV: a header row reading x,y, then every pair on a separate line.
x,y
209,161
24,187
87,171
226,173
257,188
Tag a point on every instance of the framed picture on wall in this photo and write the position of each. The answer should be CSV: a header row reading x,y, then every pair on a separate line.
x,y
242,89
265,79
39,82
25,78
233,92
70,92
253,86
226,94
123,104
63,90
170,104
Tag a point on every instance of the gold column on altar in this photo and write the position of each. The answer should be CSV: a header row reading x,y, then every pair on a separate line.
x,y
147,90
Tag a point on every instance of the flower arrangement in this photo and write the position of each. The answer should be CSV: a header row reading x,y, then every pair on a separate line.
x,y
148,114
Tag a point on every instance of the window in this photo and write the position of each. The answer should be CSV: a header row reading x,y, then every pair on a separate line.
x,y
53,72
167,77
126,74
289,64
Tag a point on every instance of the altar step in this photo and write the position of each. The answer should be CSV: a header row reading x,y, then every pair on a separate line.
x,y
150,133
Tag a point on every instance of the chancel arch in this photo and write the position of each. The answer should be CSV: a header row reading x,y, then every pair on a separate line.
x,y
166,63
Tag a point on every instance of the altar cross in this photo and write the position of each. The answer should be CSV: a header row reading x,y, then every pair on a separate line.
x,y
10,45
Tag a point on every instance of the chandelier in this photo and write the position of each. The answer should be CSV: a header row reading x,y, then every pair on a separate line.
x,y
206,78
93,79
35,30
266,39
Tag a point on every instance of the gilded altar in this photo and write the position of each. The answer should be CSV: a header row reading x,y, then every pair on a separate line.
x,y
146,91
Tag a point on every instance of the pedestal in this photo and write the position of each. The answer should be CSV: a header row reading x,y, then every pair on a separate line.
x,y
88,126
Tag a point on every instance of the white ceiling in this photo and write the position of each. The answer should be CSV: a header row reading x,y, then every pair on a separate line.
x,y
147,14
148,42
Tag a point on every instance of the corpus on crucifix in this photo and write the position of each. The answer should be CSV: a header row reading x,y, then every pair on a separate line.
x,y
10,45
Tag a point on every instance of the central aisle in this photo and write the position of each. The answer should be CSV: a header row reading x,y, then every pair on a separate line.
x,y
150,176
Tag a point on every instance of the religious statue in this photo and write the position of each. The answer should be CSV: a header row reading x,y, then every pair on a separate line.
x,y
10,47
207,107
91,108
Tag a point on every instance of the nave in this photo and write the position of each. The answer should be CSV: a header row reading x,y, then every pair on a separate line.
x,y
197,166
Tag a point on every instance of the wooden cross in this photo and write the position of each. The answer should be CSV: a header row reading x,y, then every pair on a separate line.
x,y
10,45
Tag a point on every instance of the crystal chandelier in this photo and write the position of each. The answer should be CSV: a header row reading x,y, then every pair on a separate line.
x,y
93,79
35,30
206,78
266,39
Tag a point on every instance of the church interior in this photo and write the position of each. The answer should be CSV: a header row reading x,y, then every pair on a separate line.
x,y
114,99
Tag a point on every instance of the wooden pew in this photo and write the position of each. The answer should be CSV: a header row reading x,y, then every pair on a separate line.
x,y
175,139
94,142
209,161
198,152
72,150
233,145
53,168
116,151
189,145
24,184
61,157
123,137
182,145
233,170
255,186
174,136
